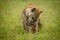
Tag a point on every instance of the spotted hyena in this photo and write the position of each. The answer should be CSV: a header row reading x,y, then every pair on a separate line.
x,y
30,17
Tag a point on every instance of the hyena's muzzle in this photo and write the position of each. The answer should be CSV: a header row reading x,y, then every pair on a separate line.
x,y
30,18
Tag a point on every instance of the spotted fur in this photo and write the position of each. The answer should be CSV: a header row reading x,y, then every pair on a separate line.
x,y
30,17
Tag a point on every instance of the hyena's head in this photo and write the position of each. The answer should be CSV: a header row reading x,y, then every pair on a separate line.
x,y
32,14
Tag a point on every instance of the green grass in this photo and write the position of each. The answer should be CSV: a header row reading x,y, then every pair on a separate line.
x,y
11,27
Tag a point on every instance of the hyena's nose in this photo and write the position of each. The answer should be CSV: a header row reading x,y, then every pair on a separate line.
x,y
32,21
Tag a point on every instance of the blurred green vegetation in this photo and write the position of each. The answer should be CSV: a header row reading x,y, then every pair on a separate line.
x,y
11,22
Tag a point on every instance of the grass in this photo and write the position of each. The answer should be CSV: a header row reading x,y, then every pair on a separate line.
x,y
11,22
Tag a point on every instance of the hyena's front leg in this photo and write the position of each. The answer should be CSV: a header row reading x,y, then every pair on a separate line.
x,y
35,28
26,27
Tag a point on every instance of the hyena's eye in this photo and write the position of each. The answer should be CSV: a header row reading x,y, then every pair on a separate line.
x,y
33,10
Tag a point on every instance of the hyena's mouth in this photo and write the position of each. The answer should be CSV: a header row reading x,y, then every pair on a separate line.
x,y
32,22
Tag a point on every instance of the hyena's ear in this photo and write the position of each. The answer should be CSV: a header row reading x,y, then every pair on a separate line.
x,y
41,12
38,13
24,10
